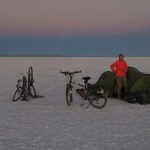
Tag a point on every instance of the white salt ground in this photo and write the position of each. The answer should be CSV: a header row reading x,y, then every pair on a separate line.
x,y
49,124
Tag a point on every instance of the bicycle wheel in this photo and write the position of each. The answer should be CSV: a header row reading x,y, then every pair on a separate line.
x,y
17,94
97,100
25,93
32,91
69,97
30,75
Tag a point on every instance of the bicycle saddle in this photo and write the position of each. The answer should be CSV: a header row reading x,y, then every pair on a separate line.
x,y
86,79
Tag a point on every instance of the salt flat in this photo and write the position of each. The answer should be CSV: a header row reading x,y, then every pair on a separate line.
x,y
49,124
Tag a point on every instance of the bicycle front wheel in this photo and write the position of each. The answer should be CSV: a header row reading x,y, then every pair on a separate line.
x,y
17,94
30,75
32,91
69,96
97,100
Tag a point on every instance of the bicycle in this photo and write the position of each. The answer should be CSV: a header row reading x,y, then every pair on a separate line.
x,y
93,93
25,87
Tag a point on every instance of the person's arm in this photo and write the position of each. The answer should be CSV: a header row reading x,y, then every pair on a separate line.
x,y
126,67
113,66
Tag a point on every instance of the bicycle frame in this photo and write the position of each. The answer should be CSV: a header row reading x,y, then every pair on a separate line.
x,y
94,96
72,83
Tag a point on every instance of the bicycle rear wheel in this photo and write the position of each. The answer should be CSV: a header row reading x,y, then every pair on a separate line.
x,y
97,100
69,96
25,93
17,94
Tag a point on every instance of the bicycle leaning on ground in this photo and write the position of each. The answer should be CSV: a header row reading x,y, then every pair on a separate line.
x,y
25,87
92,93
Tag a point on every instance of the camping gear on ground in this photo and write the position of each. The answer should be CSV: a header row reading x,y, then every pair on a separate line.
x,y
140,97
131,98
137,83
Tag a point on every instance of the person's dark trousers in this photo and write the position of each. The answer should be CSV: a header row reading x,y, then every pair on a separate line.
x,y
121,83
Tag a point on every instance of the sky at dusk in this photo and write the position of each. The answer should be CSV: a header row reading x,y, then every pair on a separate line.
x,y
74,27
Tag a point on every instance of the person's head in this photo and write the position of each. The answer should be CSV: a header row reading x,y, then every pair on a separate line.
x,y
121,56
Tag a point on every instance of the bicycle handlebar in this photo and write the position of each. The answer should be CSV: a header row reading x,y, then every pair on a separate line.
x,y
70,73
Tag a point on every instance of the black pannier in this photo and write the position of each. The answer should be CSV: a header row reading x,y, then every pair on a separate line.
x,y
141,97
131,97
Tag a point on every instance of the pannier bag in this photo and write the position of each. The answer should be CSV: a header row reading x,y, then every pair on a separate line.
x,y
131,98
141,97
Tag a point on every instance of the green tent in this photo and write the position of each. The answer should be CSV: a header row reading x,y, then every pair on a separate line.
x,y
133,75
137,81
106,80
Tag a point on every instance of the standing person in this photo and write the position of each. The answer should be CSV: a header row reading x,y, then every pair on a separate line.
x,y
120,67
